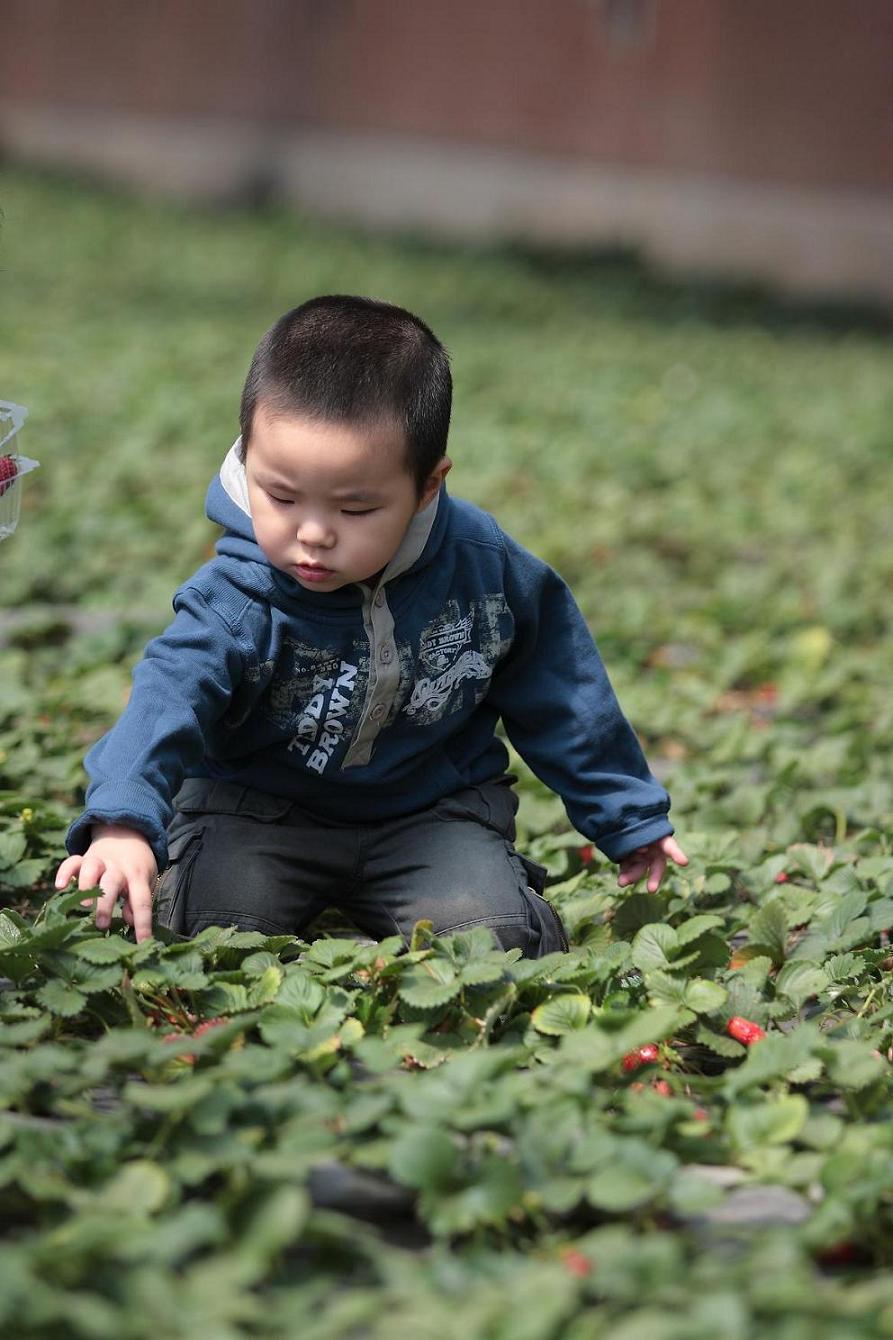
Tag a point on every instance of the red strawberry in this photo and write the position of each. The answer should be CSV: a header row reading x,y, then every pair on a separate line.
x,y
662,1087
576,1262
8,472
646,1055
159,1017
782,877
189,1058
744,1030
585,854
840,1254
207,1024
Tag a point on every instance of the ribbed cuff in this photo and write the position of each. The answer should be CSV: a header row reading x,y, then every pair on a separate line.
x,y
79,835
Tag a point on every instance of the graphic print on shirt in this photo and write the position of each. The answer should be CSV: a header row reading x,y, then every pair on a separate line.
x,y
317,696
458,653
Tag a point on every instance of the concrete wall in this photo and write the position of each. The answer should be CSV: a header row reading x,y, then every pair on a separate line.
x,y
740,136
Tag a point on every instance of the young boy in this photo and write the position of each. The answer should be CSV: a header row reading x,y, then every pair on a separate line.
x,y
316,726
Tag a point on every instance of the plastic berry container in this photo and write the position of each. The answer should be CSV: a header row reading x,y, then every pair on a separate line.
x,y
13,466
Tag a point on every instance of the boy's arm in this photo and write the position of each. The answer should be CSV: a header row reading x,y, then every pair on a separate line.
x,y
182,685
562,715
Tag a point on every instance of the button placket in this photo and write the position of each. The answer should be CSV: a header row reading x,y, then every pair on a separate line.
x,y
383,678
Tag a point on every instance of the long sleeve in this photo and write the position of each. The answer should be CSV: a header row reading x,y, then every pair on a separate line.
x,y
182,685
562,715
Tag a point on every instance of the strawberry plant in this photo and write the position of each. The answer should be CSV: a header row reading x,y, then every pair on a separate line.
x,y
680,1127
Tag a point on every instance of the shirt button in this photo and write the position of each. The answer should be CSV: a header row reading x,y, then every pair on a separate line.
x,y
377,712
385,654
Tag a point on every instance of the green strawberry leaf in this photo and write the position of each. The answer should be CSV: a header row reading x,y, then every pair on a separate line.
x,y
429,985
424,1157
561,1014
60,998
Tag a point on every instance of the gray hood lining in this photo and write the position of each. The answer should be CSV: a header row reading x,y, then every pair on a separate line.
x,y
232,477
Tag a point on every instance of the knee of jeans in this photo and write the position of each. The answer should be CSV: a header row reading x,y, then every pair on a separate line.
x,y
464,910
536,931
242,921
511,931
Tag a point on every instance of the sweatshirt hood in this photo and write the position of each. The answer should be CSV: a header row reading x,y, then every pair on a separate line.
x,y
227,504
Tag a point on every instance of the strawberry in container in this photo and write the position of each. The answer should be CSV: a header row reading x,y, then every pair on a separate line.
x,y
13,466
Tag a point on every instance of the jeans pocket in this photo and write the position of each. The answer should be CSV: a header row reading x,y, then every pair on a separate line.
x,y
536,874
201,796
172,888
553,936
493,804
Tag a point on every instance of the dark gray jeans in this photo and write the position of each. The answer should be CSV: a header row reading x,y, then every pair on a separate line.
x,y
242,857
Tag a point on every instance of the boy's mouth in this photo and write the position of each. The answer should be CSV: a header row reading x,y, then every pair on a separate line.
x,y
312,572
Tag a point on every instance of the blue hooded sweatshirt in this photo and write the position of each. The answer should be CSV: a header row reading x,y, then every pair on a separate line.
x,y
375,700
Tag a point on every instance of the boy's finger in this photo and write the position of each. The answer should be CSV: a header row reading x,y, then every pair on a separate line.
x,y
675,852
90,873
141,908
113,885
658,866
67,871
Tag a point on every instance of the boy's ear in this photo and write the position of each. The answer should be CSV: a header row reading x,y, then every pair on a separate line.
x,y
434,481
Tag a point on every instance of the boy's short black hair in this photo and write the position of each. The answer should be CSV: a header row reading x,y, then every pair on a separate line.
x,y
355,360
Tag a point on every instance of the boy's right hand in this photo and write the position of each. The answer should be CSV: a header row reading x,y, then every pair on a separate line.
x,y
120,862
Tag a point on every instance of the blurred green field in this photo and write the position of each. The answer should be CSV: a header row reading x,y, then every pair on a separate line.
x,y
709,469
706,469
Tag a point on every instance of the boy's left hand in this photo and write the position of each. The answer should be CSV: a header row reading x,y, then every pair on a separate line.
x,y
651,860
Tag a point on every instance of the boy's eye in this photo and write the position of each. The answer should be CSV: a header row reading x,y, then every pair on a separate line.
x,y
286,502
365,512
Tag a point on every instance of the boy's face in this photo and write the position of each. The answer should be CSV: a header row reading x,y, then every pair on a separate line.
x,y
331,502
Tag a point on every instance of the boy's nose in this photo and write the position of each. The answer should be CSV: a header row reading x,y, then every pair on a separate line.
x,y
315,534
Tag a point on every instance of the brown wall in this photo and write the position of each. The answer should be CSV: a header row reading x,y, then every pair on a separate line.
x,y
797,91
752,137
